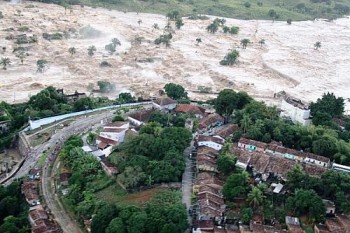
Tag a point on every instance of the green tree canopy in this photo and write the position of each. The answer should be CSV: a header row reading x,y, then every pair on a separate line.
x,y
175,91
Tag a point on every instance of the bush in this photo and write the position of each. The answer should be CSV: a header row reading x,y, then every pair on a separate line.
x,y
289,21
89,32
23,29
105,64
247,4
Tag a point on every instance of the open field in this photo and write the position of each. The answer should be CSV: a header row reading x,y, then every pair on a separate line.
x,y
288,60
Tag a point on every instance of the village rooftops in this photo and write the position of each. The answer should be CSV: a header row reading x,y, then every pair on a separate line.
x,y
114,130
293,225
316,171
321,228
107,140
210,120
215,190
46,226
296,103
189,108
208,151
164,101
116,124
204,225
317,157
333,225
203,138
37,214
344,220
227,130
204,178
142,116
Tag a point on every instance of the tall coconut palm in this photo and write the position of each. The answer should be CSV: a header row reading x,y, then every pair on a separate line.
x,y
317,45
72,51
262,42
5,61
244,43
255,197
91,50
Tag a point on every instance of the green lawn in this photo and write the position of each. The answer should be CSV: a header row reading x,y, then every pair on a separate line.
x,y
295,10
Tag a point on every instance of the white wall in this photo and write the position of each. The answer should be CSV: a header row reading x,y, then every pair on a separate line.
x,y
210,144
295,114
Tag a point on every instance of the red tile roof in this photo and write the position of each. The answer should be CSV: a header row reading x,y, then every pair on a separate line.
x,y
210,120
189,108
344,220
227,130
164,101
142,116
116,124
107,140
203,138
318,157
333,225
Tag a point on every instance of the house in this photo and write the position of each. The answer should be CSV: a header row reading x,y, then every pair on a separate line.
x,y
294,155
277,188
226,131
208,178
252,145
293,225
295,110
344,221
117,125
207,151
212,142
104,146
334,225
317,160
279,166
64,177
197,111
330,206
320,228
30,190
46,226
313,170
209,121
202,226
109,168
165,104
37,213
141,117
280,151
206,164
74,97
243,159
34,174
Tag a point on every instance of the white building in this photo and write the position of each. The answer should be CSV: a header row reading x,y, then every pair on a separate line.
x,y
165,104
295,110
215,142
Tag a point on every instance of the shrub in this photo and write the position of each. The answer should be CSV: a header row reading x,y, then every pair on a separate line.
x,y
289,21
105,64
247,4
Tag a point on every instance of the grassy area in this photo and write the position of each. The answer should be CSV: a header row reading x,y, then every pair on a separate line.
x,y
249,9
115,194
42,160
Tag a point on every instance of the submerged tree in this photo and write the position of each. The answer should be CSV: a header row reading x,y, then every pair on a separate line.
x,y
317,45
5,61
41,65
262,42
72,51
244,43
91,50
230,58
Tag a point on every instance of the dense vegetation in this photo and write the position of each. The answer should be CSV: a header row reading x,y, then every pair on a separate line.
x,y
270,9
163,214
262,123
13,209
153,156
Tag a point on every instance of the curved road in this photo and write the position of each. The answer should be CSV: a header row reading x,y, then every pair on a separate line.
x,y
67,224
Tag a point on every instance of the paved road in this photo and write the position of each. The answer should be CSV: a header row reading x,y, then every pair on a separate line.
x,y
187,180
67,224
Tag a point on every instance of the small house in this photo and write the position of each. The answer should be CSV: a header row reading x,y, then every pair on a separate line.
x,y
215,143
165,104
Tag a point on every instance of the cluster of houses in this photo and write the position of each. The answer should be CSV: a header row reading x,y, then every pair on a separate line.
x,y
38,216
273,158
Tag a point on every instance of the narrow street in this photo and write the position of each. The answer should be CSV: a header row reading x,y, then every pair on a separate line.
x,y
187,180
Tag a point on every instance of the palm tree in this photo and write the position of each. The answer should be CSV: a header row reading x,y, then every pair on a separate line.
x,y
244,43
255,197
198,40
116,42
317,45
72,51
5,61
91,50
262,42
